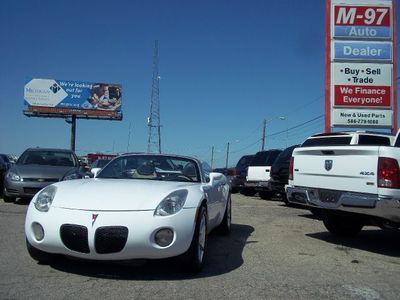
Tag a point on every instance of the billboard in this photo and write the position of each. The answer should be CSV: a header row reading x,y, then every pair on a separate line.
x,y
60,98
360,64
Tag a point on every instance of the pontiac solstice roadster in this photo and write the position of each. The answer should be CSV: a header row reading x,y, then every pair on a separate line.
x,y
140,206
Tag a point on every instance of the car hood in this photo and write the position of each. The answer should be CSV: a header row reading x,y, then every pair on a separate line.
x,y
41,171
115,194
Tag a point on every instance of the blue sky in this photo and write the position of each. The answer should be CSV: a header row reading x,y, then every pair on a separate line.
x,y
224,65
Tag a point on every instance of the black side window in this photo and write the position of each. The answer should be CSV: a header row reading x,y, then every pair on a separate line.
x,y
371,140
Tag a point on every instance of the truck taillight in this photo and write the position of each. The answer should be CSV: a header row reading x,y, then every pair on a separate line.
x,y
234,172
388,173
291,168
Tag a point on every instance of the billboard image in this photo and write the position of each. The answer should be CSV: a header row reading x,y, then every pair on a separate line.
x,y
50,97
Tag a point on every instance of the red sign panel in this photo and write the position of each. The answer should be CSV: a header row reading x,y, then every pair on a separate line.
x,y
362,16
362,96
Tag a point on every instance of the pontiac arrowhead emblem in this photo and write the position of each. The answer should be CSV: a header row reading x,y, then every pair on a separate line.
x,y
328,164
94,217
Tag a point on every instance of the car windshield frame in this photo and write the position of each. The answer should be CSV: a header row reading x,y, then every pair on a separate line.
x,y
152,167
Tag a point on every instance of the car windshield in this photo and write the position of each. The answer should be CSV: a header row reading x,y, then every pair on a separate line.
x,y
100,163
49,158
153,167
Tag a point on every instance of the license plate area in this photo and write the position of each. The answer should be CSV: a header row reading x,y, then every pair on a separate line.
x,y
329,196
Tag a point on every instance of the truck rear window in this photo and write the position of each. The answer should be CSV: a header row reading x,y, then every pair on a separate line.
x,y
371,140
327,141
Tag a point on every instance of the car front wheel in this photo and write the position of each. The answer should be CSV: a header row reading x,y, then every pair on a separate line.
x,y
7,198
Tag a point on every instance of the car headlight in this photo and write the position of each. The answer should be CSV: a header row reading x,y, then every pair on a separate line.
x,y
171,204
72,176
13,176
45,198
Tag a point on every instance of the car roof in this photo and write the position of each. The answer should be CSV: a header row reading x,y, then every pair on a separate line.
x,y
49,149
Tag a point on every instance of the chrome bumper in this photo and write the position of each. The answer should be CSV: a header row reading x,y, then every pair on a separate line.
x,y
367,204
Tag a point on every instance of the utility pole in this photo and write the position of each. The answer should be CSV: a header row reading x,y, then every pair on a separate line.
x,y
153,121
227,156
212,156
263,135
129,138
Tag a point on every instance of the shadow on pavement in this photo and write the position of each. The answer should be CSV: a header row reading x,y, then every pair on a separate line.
x,y
385,242
224,255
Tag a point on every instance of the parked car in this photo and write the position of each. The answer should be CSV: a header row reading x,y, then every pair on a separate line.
x,y
258,173
240,172
5,164
38,167
140,206
98,165
280,172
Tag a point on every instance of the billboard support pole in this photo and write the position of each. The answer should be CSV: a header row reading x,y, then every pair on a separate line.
x,y
73,132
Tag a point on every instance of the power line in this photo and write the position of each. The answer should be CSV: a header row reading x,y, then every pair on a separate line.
x,y
297,126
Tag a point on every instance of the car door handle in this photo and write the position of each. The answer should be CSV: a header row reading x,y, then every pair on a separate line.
x,y
267,170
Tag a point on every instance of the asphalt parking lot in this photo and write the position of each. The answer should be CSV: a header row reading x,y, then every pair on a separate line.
x,y
273,251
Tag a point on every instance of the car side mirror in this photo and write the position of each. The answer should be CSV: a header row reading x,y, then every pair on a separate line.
x,y
214,177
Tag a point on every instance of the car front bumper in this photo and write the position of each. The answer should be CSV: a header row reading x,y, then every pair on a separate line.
x,y
361,203
141,228
23,188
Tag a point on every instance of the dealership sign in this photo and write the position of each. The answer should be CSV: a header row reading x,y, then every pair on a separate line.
x,y
360,64
362,21
371,51
50,97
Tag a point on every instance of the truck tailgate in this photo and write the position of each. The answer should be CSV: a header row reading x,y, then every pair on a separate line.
x,y
258,173
348,168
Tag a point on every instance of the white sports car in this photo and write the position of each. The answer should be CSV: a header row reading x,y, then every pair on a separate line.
x,y
140,206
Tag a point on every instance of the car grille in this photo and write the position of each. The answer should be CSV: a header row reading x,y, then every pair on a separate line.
x,y
40,179
31,191
75,237
110,239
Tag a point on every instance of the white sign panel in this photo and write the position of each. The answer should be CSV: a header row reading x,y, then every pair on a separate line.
x,y
362,118
44,92
362,74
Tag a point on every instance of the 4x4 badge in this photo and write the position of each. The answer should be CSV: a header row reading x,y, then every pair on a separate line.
x,y
328,164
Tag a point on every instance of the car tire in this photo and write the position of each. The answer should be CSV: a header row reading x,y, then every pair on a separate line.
x,y
248,191
193,258
234,190
39,255
285,199
225,226
8,199
266,195
317,212
342,226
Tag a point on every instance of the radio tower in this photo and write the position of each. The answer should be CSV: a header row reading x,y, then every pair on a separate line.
x,y
153,121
